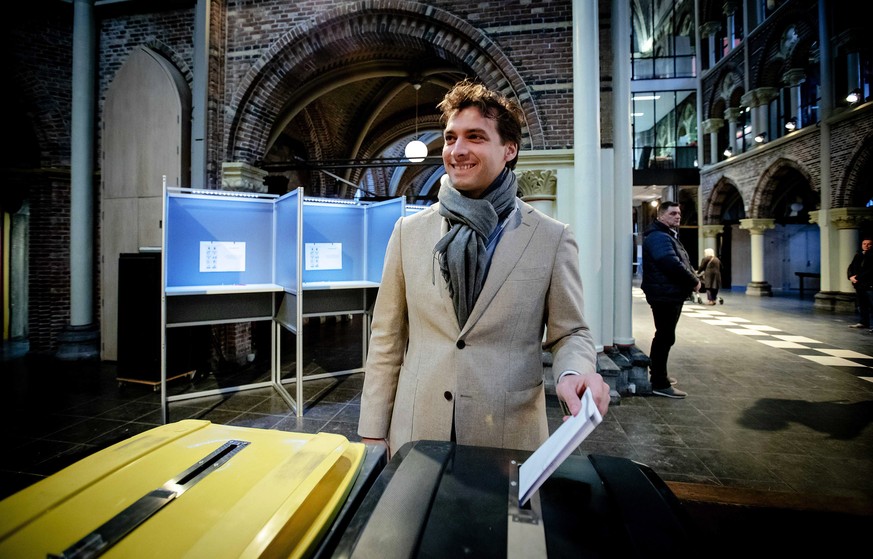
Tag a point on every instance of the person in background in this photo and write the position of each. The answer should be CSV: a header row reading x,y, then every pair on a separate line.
x,y
668,279
709,273
860,273
469,287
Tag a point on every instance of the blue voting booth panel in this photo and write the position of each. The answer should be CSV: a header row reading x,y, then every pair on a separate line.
x,y
381,218
287,220
193,220
362,232
330,225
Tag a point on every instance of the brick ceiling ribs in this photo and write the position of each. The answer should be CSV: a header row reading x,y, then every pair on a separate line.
x,y
342,91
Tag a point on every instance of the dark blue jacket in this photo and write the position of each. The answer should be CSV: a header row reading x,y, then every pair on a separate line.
x,y
862,266
667,273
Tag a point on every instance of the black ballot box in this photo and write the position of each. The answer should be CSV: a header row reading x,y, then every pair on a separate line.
x,y
439,499
139,326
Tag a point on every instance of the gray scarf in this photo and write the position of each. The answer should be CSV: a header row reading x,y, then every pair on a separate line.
x,y
462,253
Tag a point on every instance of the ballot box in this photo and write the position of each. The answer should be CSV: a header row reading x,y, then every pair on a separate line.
x,y
439,499
193,489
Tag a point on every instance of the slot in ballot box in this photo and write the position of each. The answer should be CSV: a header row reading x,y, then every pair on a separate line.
x,y
194,489
439,499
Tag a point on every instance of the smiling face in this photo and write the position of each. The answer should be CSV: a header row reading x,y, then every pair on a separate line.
x,y
474,154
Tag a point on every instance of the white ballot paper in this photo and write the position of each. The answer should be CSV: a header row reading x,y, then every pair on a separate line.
x,y
546,459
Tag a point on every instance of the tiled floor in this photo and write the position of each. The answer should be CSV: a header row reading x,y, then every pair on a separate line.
x,y
779,410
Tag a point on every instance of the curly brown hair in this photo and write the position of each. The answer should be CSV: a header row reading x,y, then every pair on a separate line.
x,y
506,113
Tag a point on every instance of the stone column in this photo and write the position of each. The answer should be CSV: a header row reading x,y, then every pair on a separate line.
x,y
764,95
730,9
711,126
732,115
709,30
848,221
241,176
834,294
710,236
794,77
587,201
756,227
80,338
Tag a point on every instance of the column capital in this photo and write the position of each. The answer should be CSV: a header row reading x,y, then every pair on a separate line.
x,y
711,125
758,225
710,28
749,100
710,231
729,8
758,97
537,183
794,77
732,114
765,94
850,218
238,175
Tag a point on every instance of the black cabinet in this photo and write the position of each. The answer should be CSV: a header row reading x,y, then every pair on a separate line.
x,y
139,325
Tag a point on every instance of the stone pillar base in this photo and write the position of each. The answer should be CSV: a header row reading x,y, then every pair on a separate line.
x,y
759,289
835,301
79,343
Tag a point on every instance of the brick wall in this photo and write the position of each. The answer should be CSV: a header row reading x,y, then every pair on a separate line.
x,y
750,173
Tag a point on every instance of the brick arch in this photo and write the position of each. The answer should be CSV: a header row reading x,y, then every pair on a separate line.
x,y
857,185
724,94
768,185
170,54
261,94
712,206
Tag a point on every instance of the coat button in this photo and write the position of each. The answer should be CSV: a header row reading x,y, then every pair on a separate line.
x,y
461,344
448,395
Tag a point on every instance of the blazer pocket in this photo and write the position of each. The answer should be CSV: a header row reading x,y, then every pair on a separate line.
x,y
529,274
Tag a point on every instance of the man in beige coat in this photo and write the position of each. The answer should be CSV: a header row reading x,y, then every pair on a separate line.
x,y
468,287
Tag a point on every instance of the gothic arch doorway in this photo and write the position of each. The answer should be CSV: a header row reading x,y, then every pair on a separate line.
x,y
146,136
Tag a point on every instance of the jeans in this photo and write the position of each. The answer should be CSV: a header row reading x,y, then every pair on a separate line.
x,y
666,317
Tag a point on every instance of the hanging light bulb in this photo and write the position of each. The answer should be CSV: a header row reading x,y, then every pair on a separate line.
x,y
415,150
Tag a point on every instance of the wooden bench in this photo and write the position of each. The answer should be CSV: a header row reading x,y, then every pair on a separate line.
x,y
803,275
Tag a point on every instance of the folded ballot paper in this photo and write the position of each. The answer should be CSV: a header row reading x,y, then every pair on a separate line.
x,y
546,459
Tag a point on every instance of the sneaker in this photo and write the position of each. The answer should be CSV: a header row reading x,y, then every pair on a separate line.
x,y
720,301
859,325
669,392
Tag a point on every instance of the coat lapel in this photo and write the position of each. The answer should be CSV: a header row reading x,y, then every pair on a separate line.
x,y
509,251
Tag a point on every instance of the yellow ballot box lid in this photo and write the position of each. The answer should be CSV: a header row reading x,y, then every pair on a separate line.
x,y
189,488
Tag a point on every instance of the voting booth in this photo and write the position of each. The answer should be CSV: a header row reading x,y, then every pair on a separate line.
x,y
231,257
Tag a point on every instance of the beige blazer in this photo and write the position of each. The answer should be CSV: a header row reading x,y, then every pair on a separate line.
x,y
422,368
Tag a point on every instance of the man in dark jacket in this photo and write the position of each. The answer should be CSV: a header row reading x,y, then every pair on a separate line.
x,y
668,279
860,273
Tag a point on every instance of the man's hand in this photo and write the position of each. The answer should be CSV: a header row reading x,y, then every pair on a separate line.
x,y
572,386
853,279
